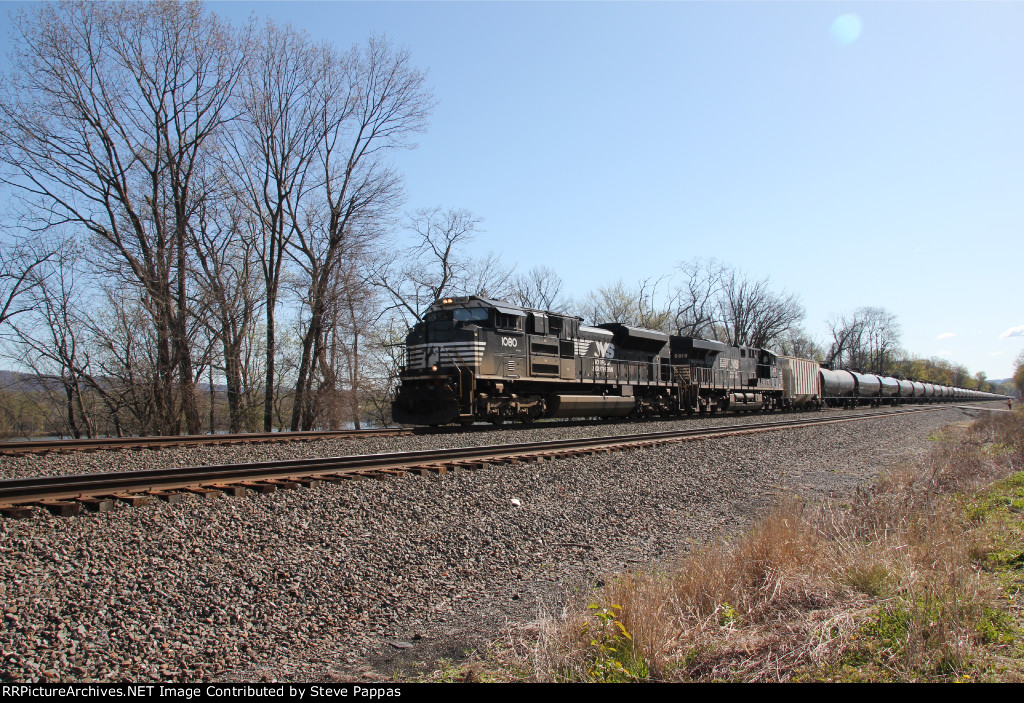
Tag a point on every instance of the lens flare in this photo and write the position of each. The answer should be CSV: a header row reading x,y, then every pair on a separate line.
x,y
845,29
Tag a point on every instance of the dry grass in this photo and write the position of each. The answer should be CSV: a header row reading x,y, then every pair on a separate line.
x,y
887,587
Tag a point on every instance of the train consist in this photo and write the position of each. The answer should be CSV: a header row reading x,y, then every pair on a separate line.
x,y
474,359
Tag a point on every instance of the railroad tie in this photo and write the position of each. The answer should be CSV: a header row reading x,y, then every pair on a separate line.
x,y
133,499
15,512
96,505
228,489
63,508
340,478
386,473
169,497
260,486
203,491
362,475
282,484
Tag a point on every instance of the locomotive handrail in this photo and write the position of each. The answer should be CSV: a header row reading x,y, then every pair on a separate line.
x,y
456,357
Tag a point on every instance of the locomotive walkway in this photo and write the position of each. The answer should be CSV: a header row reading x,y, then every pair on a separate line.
x,y
70,494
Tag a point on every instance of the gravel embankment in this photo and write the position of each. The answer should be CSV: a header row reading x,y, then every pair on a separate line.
x,y
362,578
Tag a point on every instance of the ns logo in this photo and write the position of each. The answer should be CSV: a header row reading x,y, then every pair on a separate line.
x,y
604,349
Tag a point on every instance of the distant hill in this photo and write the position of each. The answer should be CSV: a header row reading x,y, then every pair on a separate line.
x,y
17,382
25,382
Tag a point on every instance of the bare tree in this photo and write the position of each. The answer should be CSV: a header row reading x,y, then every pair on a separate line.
x,y
881,339
282,107
539,288
846,331
52,338
652,311
386,354
106,116
1018,373
797,342
751,313
868,339
125,360
610,303
227,292
21,263
487,276
373,101
693,302
433,267
353,312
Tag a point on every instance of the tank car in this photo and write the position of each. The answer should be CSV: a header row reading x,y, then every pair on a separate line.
x,y
838,387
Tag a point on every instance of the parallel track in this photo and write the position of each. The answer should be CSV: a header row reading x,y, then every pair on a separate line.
x,y
59,445
68,494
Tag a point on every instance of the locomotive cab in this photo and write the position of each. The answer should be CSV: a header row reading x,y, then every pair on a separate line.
x,y
443,356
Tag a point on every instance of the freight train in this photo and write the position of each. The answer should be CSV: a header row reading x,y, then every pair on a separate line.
x,y
475,359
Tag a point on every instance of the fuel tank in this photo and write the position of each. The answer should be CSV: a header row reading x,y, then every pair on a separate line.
x,y
589,406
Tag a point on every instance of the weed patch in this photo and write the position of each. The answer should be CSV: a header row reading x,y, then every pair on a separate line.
x,y
917,578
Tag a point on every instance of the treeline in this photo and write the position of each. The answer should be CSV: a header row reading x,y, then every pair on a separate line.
x,y
203,232
175,184
711,299
203,227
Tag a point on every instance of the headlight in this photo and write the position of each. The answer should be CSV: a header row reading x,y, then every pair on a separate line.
x,y
433,368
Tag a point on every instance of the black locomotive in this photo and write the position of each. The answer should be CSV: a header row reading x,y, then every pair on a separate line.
x,y
477,359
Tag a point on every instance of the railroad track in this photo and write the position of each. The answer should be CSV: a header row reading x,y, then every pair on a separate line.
x,y
69,495
64,445
43,446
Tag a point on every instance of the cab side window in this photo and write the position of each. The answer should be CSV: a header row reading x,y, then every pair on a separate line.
x,y
508,322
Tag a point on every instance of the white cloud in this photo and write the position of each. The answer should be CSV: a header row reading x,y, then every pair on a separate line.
x,y
944,352
1013,332
995,353
946,335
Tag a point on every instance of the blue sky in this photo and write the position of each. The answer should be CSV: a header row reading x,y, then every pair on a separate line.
x,y
612,140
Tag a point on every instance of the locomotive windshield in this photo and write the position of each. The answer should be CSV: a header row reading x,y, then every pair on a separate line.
x,y
471,314
460,316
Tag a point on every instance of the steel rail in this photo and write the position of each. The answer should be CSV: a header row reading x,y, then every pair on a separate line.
x,y
50,445
40,490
